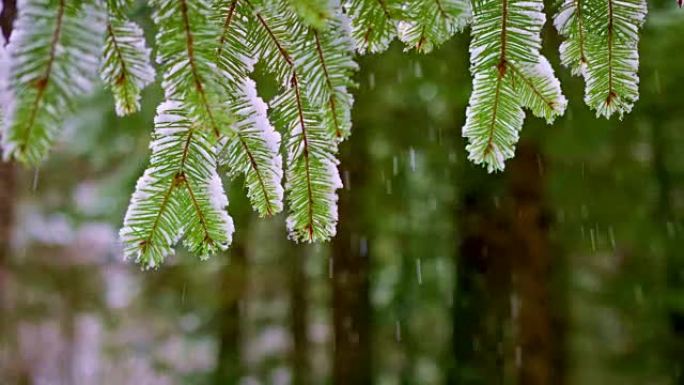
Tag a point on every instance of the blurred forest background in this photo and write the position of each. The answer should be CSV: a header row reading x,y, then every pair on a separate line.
x,y
565,269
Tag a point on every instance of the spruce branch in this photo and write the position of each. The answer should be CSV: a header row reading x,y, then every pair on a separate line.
x,y
430,23
252,147
509,73
314,13
374,23
213,116
254,151
179,194
612,82
311,177
186,53
571,23
53,60
125,66
329,75
601,44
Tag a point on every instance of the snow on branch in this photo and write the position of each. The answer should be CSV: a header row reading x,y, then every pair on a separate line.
x,y
509,73
213,116
125,66
53,57
601,44
179,195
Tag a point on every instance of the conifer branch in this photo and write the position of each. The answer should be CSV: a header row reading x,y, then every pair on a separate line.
x,y
125,66
53,56
314,13
179,194
509,73
374,23
601,44
571,24
252,148
312,175
329,74
429,23
212,114
186,53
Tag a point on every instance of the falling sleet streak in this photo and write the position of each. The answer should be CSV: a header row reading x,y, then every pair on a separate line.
x,y
34,183
419,271
412,158
418,70
611,236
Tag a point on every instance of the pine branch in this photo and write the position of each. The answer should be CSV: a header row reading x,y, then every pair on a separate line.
x,y
374,23
571,23
179,193
509,73
312,176
314,13
273,36
329,73
601,39
254,151
253,146
125,66
612,82
186,53
53,56
233,54
538,91
430,23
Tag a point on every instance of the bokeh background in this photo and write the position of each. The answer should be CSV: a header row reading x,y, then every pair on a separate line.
x,y
568,268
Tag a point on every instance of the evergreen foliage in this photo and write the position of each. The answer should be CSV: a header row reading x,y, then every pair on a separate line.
x,y
125,66
180,194
509,73
53,60
212,115
601,45
431,22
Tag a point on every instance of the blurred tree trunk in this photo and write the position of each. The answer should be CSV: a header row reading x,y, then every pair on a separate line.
x,y
299,306
405,302
504,323
233,283
7,178
350,280
673,261
483,283
233,280
7,202
539,344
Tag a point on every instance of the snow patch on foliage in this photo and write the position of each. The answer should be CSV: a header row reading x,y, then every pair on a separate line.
x,y
125,64
219,202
